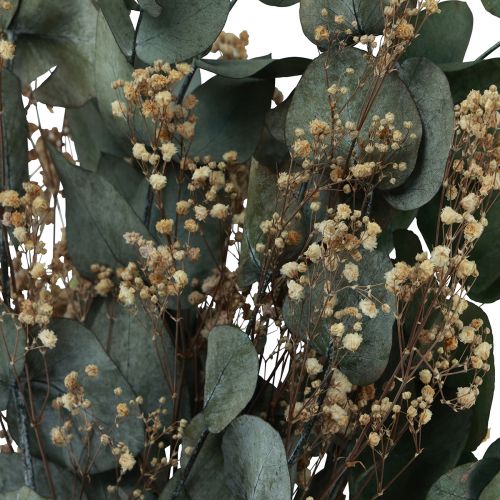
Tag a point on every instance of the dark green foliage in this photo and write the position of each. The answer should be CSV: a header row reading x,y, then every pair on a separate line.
x,y
443,41
181,30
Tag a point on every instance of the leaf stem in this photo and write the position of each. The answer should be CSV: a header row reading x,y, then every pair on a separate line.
x,y
492,49
184,472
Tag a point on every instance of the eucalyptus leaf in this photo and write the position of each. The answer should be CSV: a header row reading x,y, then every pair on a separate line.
x,y
51,33
12,478
23,493
130,336
305,319
152,7
255,463
260,67
6,15
465,481
13,343
15,132
407,245
231,375
97,217
430,90
264,199
492,490
91,136
231,115
311,101
206,479
182,30
492,6
367,14
467,76
493,450
112,65
444,37
76,348
280,3
118,18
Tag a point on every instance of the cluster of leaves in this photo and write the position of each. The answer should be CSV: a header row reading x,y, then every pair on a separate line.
x,y
86,45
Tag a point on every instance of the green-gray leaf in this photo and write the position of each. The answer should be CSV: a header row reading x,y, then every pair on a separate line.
x,y
15,132
260,67
182,30
6,16
13,342
76,348
118,18
23,493
97,217
310,101
206,479
130,336
368,15
465,481
151,7
304,318
476,75
92,137
255,463
230,115
280,3
430,90
492,6
230,376
492,490
52,33
66,484
444,37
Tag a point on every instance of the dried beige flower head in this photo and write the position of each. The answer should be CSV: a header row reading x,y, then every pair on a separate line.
x,y
48,338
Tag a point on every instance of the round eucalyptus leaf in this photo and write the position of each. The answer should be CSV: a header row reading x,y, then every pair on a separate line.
x,y
305,319
359,17
255,464
231,115
311,101
444,37
231,375
492,6
430,90
76,348
181,31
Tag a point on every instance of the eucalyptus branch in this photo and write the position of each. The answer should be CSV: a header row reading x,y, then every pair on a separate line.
x,y
22,420
492,49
